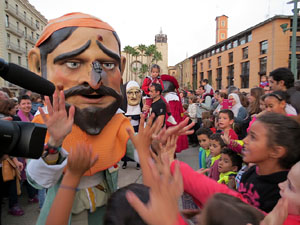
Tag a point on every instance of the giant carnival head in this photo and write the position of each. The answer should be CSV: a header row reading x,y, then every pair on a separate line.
x,y
81,55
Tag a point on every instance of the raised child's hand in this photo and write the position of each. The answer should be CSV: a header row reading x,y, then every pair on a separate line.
x,y
59,124
143,139
162,208
181,129
80,160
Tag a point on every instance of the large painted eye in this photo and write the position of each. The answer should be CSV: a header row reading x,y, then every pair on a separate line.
x,y
108,66
73,65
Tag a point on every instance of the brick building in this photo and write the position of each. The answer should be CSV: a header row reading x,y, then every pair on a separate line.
x,y
242,59
21,25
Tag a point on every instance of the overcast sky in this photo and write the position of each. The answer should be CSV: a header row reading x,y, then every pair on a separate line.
x,y
189,24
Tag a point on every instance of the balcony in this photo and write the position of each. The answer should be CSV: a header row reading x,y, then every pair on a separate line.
x,y
15,48
14,29
30,39
15,13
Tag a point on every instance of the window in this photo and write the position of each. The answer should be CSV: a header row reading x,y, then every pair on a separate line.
x,y
26,62
201,76
242,40
25,15
235,43
245,74
249,37
19,60
229,45
31,21
9,57
263,66
219,78
201,66
217,50
223,48
6,4
25,28
37,24
32,34
19,43
17,9
222,23
37,36
222,36
230,57
209,63
209,76
263,47
17,25
213,52
297,44
230,77
8,38
219,61
208,54
6,20
26,47
245,53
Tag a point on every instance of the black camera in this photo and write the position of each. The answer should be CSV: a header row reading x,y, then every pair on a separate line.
x,y
22,139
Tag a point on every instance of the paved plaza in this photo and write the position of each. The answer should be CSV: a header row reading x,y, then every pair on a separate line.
x,y
127,176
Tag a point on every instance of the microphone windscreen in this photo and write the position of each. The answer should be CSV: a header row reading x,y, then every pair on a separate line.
x,y
28,80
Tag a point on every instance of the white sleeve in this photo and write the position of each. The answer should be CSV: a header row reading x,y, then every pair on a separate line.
x,y
46,175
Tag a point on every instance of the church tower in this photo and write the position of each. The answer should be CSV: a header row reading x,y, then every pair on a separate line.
x,y
221,28
161,43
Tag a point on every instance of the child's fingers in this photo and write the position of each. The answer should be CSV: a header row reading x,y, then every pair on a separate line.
x,y
142,122
49,106
130,133
71,114
62,104
150,120
55,101
43,114
137,204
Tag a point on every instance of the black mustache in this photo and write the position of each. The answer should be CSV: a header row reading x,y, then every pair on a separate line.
x,y
87,90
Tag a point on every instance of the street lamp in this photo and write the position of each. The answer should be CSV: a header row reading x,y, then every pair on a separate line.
x,y
294,37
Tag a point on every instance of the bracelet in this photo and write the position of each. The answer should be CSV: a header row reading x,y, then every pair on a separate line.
x,y
50,150
68,187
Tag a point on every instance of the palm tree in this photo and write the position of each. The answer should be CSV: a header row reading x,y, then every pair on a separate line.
x,y
149,53
144,69
127,50
157,56
135,54
142,48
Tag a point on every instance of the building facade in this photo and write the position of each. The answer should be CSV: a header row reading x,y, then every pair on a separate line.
x,y
21,25
242,59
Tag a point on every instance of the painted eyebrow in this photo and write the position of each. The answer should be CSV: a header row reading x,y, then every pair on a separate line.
x,y
108,52
73,53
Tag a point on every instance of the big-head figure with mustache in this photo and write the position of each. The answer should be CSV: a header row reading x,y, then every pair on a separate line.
x,y
81,55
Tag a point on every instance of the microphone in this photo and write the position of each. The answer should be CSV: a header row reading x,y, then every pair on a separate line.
x,y
25,78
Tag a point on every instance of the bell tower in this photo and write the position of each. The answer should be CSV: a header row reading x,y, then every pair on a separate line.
x,y
161,43
221,28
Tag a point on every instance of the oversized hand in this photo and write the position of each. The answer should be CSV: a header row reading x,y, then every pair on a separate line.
x,y
59,124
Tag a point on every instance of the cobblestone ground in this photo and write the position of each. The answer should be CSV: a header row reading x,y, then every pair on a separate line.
x,y
127,176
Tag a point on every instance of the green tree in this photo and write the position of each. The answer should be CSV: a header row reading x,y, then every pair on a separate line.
x,y
151,49
143,70
127,50
142,48
157,56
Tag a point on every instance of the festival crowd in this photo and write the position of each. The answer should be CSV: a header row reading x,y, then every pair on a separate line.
x,y
249,155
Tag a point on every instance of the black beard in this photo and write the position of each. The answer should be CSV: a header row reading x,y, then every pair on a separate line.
x,y
93,119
